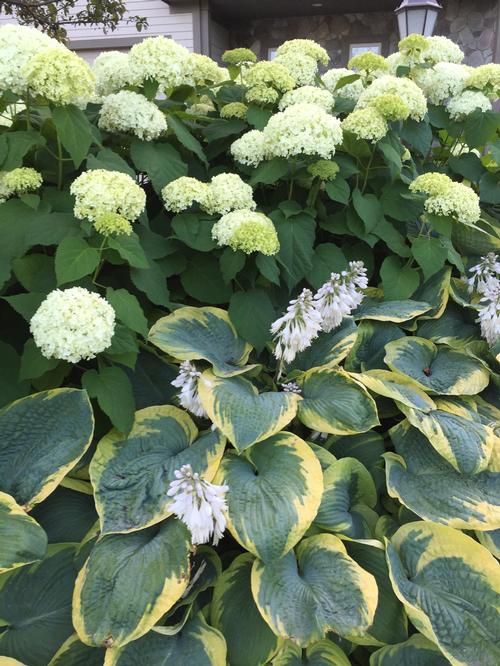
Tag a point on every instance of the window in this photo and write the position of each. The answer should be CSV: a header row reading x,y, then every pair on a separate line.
x,y
271,52
363,47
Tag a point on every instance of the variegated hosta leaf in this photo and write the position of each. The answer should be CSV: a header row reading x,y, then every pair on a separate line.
x,y
430,487
207,333
197,644
416,651
322,653
75,653
450,586
450,329
349,495
274,494
323,455
35,607
8,661
397,387
131,475
244,416
435,291
129,581
460,438
333,402
491,541
368,352
317,590
41,438
328,349
436,369
250,641
395,311
22,540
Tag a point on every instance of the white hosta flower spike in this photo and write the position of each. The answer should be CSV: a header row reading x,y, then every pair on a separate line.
x,y
297,328
187,381
487,268
489,314
341,295
199,504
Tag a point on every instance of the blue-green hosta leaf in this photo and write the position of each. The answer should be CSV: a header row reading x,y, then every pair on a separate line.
x,y
41,438
232,608
322,653
23,540
328,349
349,494
150,568
244,416
333,402
66,515
395,311
436,369
416,651
202,333
35,607
491,541
396,386
436,291
367,352
318,589
432,488
450,586
75,653
131,475
450,329
274,494
197,644
323,455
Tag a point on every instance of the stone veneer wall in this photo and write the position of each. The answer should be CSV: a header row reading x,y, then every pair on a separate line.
x,y
470,23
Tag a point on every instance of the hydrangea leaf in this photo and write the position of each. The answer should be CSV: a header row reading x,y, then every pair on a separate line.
x,y
274,494
417,650
23,540
131,475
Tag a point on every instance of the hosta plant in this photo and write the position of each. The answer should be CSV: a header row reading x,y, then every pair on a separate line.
x,y
250,357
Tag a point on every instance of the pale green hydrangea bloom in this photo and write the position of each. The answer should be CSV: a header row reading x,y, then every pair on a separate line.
x,y
18,44
183,192
448,198
307,47
325,170
19,181
301,67
239,56
262,94
442,49
466,102
413,45
249,149
131,113
159,59
366,123
227,192
486,79
391,107
247,231
369,65
309,95
112,224
348,91
404,88
100,191
112,72
234,110
200,69
443,80
270,74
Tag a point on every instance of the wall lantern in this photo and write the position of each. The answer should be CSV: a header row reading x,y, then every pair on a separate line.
x,y
417,16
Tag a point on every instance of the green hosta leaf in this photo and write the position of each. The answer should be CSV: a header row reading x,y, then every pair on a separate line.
x,y
197,644
450,586
41,438
128,310
75,258
74,131
348,491
395,311
368,349
151,567
333,402
473,240
368,207
244,416
161,161
430,254
296,235
35,607
23,540
416,651
322,653
450,329
491,541
322,590
131,476
202,333
429,486
74,653
113,391
328,349
397,387
274,494
232,608
436,369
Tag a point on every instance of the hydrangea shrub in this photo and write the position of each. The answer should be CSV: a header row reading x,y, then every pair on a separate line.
x,y
250,357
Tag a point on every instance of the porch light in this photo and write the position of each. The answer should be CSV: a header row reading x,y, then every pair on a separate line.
x,y
417,16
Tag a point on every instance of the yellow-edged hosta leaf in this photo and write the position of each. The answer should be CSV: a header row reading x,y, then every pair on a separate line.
x,y
197,644
207,333
323,455
75,653
322,653
129,581
416,651
396,386
41,438
450,329
395,311
244,416
436,291
438,370
450,586
491,541
317,589
368,352
274,494
233,608
333,402
432,488
131,474
22,540
349,491
328,349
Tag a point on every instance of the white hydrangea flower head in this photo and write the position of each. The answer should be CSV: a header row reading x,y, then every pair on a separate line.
x,y
99,191
159,59
448,198
297,328
201,69
183,192
306,47
483,272
302,67
270,74
409,92
262,94
73,324
395,60
19,181
247,231
348,91
200,109
227,192
234,110
442,49
199,504
467,102
340,295
309,95
250,148
489,313
112,72
18,44
366,124
302,129
60,76
443,80
187,381
130,113
486,79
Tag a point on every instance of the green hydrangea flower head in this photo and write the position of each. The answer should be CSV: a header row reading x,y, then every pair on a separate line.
x,y
112,224
247,231
324,169
368,62
20,180
391,107
413,45
234,110
366,123
239,56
